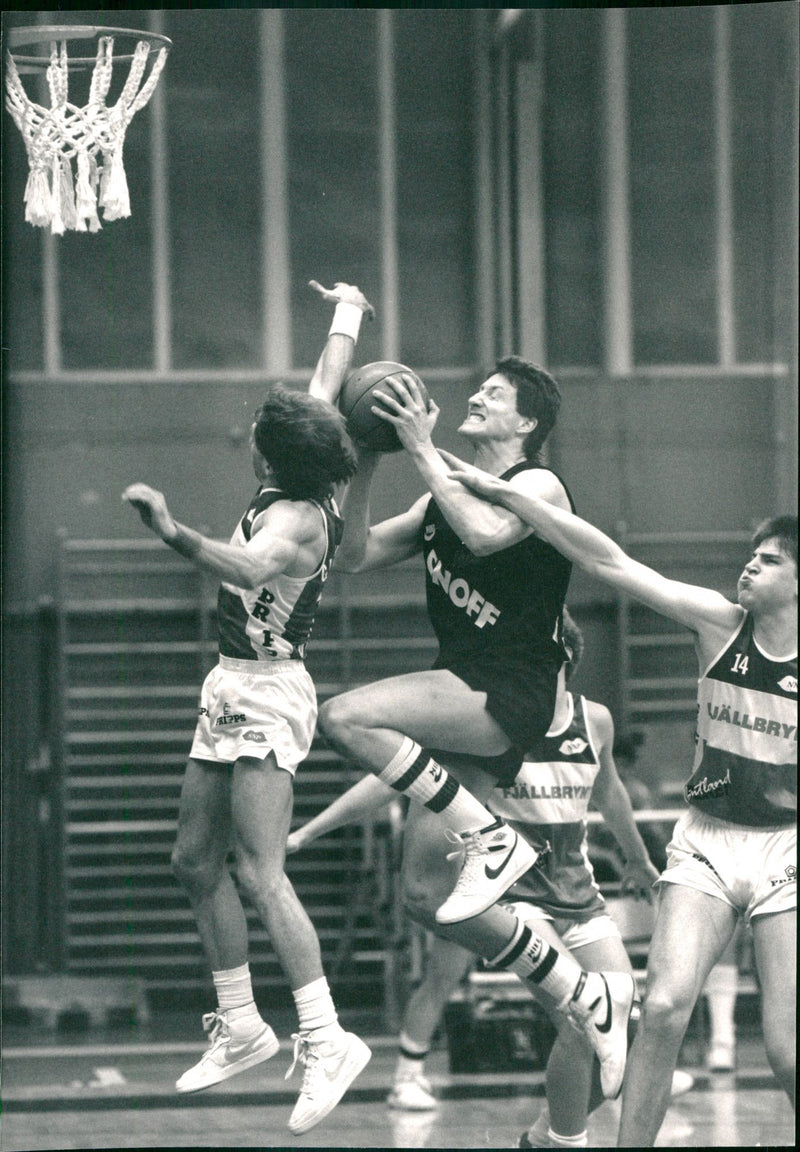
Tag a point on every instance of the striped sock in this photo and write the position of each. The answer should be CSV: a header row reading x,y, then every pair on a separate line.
x,y
414,772
410,1058
533,959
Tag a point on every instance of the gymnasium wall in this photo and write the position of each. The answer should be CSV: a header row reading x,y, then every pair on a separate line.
x,y
660,454
698,433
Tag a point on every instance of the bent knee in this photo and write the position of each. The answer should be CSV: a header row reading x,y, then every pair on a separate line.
x,y
193,870
343,719
418,898
419,903
260,880
666,1012
337,715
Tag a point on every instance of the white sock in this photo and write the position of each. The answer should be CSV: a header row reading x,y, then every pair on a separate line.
x,y
235,998
721,990
541,1132
579,1141
532,958
234,987
415,773
315,1007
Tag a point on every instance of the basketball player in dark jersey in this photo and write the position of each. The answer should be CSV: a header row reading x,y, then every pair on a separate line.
x,y
734,853
566,770
495,597
256,721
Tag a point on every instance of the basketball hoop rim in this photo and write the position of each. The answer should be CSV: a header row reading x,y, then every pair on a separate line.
x,y
42,33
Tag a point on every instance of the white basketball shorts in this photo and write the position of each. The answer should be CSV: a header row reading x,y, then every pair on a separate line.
x,y
752,869
574,933
249,709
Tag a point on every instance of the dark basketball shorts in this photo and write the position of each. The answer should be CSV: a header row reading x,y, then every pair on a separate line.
x,y
503,769
521,697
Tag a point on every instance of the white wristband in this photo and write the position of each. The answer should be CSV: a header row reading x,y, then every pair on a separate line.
x,y
346,320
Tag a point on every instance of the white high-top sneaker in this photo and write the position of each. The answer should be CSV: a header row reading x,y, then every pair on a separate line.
x,y
600,1006
226,1056
494,858
331,1066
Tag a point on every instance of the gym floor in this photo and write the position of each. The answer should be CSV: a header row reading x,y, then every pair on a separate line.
x,y
104,1089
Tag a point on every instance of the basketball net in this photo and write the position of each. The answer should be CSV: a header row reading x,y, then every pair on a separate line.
x,y
54,136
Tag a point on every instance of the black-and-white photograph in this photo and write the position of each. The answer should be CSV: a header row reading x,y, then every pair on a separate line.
x,y
399,587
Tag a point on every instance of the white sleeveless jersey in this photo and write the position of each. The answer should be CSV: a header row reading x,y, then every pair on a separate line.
x,y
548,803
273,622
745,764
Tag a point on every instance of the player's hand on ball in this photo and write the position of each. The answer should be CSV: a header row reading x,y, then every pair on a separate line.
x,y
152,507
480,482
413,415
344,294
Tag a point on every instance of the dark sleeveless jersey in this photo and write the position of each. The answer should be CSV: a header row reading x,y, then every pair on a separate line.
x,y
745,764
506,606
548,804
274,622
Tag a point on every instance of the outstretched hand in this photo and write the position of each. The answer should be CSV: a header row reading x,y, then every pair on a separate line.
x,y
637,880
152,507
480,482
344,294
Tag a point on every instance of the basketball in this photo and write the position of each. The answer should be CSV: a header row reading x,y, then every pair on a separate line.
x,y
356,400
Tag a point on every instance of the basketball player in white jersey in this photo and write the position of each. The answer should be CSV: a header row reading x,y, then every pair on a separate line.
x,y
734,853
567,769
256,721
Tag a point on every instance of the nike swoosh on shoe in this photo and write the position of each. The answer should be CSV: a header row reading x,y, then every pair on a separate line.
x,y
606,1025
493,873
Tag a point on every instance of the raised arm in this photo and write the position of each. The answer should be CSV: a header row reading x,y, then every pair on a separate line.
x,y
337,355
613,802
484,528
697,608
278,538
366,546
369,795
